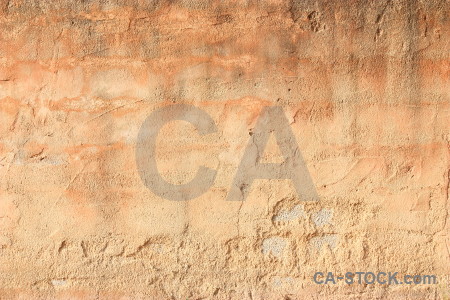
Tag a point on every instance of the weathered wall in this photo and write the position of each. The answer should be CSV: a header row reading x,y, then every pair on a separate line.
x,y
364,84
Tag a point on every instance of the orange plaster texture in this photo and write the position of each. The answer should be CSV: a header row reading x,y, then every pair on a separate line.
x,y
364,84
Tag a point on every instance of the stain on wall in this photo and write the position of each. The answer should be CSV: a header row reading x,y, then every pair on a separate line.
x,y
365,87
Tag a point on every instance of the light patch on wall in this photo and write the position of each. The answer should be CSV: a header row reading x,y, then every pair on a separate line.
x,y
274,245
59,282
289,215
280,282
322,217
330,240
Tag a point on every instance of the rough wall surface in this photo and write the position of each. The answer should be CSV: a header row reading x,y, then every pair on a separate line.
x,y
364,85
